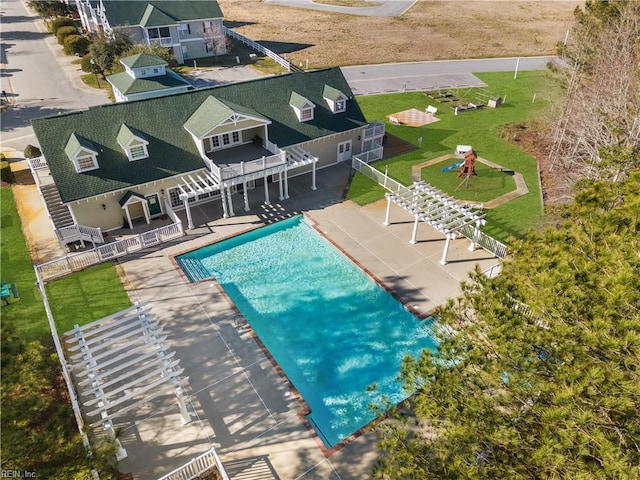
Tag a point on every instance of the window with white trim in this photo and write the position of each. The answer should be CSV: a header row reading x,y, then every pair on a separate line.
x,y
306,114
340,106
85,163
137,152
224,140
184,29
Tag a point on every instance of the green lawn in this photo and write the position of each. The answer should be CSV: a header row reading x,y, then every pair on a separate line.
x,y
489,183
38,430
481,129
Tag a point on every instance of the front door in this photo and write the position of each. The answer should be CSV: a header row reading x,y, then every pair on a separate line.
x,y
344,151
154,205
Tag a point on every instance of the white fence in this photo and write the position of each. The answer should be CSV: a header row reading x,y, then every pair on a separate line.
x,y
486,242
198,466
37,163
359,165
110,251
259,48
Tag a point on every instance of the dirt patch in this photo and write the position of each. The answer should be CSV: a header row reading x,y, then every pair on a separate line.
x,y
429,30
536,141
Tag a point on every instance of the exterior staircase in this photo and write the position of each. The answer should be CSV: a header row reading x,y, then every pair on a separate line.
x,y
58,212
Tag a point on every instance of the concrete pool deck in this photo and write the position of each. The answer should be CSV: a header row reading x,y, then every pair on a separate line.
x,y
238,402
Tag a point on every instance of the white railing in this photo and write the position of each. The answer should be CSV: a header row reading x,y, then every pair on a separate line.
x,y
376,153
79,233
377,176
374,130
493,271
110,251
37,163
243,168
486,242
198,466
259,48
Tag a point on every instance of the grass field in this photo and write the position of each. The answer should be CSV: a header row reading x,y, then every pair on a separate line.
x,y
38,431
482,129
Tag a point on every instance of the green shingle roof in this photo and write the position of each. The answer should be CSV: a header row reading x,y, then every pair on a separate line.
x,y
171,148
141,60
297,100
127,196
121,13
129,85
75,141
126,134
212,112
332,93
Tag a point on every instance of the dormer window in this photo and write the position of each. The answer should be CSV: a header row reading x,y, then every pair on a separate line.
x,y
133,143
336,100
302,107
82,153
137,152
307,114
86,162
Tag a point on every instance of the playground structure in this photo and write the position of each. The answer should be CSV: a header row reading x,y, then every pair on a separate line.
x,y
460,101
468,169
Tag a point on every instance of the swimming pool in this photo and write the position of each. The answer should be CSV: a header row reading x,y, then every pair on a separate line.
x,y
332,329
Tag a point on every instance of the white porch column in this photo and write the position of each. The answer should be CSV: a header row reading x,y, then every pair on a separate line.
x,y
387,217
280,187
476,236
129,221
231,212
286,184
121,453
443,260
223,197
313,175
245,195
266,191
147,213
188,210
414,235
184,413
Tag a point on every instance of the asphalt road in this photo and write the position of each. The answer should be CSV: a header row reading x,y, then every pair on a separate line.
x,y
398,77
379,8
36,82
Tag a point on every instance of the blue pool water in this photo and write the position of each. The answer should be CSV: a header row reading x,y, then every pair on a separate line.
x,y
332,329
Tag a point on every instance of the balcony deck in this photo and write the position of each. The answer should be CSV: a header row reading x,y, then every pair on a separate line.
x,y
233,157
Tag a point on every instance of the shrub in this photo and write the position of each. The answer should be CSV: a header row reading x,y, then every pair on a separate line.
x,y
6,175
31,151
64,32
61,22
76,44
85,63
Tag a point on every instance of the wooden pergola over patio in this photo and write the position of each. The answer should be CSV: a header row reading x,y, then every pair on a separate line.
x,y
121,362
436,208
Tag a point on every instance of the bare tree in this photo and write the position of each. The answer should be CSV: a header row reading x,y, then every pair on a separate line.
x,y
602,106
215,39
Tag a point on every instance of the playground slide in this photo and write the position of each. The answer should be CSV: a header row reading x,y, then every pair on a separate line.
x,y
451,167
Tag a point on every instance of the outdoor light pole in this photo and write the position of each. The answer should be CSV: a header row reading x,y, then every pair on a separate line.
x,y
95,71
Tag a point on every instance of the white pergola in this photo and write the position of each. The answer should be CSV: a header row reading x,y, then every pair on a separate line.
x,y
436,208
225,179
119,363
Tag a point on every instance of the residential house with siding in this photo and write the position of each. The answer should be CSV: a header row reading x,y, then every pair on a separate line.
x,y
188,28
145,76
129,162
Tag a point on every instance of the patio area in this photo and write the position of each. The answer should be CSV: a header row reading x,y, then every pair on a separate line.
x,y
240,404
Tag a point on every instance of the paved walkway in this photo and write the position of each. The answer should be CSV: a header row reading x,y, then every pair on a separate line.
x,y
239,402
